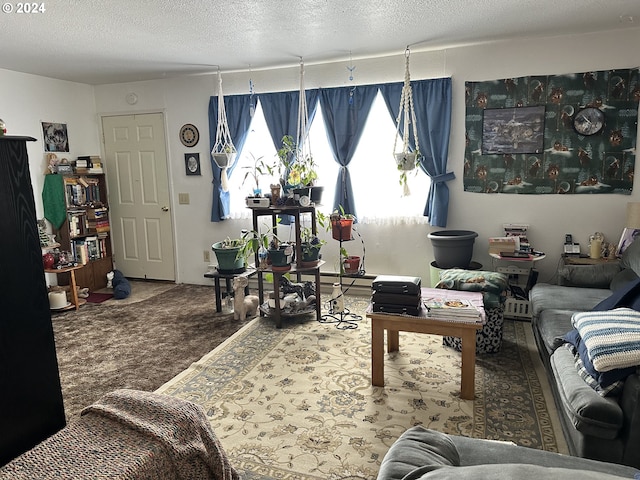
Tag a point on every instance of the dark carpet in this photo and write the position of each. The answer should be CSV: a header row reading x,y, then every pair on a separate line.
x,y
103,347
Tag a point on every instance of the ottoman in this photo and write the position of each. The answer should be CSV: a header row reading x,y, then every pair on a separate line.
x,y
493,286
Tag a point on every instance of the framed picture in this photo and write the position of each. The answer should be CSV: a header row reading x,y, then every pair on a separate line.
x,y
192,163
513,130
55,137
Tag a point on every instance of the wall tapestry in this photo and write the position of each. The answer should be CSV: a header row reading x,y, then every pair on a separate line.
x,y
572,133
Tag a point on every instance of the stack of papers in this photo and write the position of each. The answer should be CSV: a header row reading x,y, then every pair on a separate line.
x,y
452,308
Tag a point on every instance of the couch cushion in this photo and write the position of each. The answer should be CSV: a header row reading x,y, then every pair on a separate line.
x,y
623,277
552,325
612,337
628,295
545,296
590,413
506,471
631,258
416,447
589,276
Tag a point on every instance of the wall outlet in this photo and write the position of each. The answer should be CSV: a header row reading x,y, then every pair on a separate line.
x,y
206,256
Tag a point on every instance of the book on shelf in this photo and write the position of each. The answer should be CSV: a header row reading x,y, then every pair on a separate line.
x,y
451,307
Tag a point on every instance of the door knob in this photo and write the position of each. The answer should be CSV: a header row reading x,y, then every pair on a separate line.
x,y
165,209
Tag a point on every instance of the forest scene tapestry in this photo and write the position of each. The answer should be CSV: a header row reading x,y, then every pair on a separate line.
x,y
552,134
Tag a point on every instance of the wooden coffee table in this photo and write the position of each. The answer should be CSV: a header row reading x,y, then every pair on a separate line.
x,y
394,324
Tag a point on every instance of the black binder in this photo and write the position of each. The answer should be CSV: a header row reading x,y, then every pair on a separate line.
x,y
397,284
396,309
396,299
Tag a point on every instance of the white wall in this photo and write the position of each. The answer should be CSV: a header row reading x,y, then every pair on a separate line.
x,y
28,100
185,100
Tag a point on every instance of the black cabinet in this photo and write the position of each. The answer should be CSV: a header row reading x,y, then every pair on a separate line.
x,y
31,406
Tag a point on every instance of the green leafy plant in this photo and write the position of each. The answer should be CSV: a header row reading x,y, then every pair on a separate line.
x,y
300,168
257,170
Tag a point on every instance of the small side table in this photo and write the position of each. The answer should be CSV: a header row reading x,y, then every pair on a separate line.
x,y
74,290
216,275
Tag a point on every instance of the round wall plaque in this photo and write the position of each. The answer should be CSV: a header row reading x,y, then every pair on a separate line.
x,y
189,135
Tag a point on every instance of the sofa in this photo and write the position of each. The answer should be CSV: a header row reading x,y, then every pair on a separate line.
x,y
423,454
599,408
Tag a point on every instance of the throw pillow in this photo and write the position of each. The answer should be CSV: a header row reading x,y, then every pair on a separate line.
x,y
604,380
612,337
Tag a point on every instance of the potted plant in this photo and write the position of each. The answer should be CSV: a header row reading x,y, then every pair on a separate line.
x,y
341,224
311,243
255,171
351,264
300,170
231,254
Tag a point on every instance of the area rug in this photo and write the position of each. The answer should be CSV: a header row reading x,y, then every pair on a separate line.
x,y
297,402
140,345
98,297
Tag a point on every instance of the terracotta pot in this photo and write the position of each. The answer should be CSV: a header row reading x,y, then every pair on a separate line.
x,y
341,229
351,264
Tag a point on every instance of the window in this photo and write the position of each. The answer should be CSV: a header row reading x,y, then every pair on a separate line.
x,y
373,172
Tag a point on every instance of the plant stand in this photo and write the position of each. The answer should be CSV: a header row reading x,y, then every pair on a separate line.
x,y
297,268
338,314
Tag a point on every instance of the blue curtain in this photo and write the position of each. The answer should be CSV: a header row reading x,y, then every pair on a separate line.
x,y
345,113
432,104
239,120
280,112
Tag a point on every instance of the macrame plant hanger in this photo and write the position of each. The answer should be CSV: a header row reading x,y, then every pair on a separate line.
x,y
223,151
302,139
405,159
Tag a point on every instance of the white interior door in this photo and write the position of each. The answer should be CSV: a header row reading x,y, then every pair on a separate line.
x,y
137,180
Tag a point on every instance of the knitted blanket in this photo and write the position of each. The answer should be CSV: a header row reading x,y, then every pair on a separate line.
x,y
130,435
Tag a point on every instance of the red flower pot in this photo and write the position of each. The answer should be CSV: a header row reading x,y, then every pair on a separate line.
x,y
341,229
351,264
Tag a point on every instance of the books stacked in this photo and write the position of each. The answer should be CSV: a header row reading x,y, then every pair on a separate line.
x,y
451,306
498,245
98,220
88,164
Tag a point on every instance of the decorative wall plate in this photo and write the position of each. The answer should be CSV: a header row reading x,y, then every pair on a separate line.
x,y
189,135
589,121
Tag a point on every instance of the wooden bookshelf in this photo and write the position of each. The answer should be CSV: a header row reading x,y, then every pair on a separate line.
x,y
86,230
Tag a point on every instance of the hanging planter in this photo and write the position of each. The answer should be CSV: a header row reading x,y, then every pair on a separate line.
x,y
406,160
223,151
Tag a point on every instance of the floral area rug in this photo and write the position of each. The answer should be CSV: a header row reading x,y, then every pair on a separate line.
x,y
297,402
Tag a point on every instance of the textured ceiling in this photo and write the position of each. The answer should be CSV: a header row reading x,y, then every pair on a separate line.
x,y
113,41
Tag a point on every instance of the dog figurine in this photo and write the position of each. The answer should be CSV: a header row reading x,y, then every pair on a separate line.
x,y
243,305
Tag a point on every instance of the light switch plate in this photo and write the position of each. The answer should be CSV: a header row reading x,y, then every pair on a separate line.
x,y
183,198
